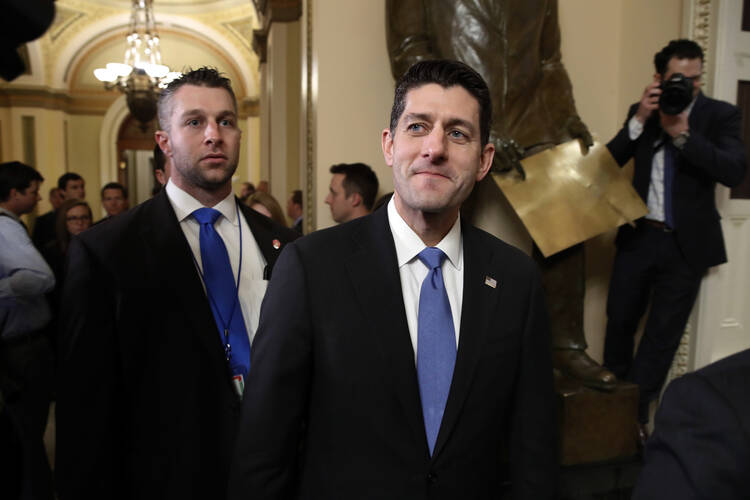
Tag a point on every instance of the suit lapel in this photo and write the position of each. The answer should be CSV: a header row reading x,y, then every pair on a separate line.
x,y
479,302
373,270
175,267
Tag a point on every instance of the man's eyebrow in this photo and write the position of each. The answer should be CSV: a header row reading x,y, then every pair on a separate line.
x,y
452,122
459,122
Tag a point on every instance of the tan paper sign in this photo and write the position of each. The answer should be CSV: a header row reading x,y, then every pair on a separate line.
x,y
569,197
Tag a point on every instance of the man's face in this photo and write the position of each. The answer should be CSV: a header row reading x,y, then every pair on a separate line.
x,y
691,68
25,201
114,202
435,150
56,198
203,141
75,189
341,207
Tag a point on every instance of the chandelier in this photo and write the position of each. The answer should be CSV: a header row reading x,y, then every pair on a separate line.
x,y
142,75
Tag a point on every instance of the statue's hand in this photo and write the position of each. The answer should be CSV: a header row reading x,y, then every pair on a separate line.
x,y
578,130
508,154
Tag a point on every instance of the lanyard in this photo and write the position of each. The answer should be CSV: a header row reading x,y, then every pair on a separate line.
x,y
225,324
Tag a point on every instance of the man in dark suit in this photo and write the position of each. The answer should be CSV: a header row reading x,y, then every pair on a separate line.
x,y
153,351
405,354
69,186
701,444
679,157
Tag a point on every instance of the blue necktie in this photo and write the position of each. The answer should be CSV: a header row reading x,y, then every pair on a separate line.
x,y
222,292
669,159
436,344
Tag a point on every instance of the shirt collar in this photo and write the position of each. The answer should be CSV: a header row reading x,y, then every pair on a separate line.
x,y
184,204
12,215
409,244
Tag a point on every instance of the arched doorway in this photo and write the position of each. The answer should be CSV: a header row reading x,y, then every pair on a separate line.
x,y
135,147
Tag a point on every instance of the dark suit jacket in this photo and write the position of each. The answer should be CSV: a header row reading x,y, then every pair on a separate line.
x,y
701,445
145,406
44,229
714,153
332,407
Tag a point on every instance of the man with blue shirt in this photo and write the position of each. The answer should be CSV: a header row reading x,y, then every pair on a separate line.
x,y
26,362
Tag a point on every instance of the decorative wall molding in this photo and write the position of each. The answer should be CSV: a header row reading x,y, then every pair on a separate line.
x,y
269,12
309,159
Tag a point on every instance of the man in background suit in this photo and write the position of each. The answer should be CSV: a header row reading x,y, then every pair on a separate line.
x,y
153,351
701,444
405,354
679,158
69,186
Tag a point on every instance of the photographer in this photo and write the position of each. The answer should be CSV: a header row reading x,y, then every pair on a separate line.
x,y
683,143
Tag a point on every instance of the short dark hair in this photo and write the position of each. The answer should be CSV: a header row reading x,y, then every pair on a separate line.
x,y
201,77
358,178
18,176
297,197
445,73
115,185
159,159
680,49
62,182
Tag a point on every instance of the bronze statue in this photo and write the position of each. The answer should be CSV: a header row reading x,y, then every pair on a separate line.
x,y
515,46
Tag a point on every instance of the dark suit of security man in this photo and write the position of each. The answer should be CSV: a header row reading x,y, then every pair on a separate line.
x,y
338,404
147,406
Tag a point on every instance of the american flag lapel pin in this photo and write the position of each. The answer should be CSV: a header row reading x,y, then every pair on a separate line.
x,y
490,282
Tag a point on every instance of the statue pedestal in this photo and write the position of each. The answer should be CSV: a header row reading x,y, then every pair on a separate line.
x,y
596,426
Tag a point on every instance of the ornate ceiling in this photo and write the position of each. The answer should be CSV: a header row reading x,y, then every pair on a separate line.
x,y
88,33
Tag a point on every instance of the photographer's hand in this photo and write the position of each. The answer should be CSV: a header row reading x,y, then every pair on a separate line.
x,y
649,101
674,125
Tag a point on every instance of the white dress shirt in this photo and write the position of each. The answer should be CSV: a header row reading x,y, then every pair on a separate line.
x,y
252,285
655,198
413,271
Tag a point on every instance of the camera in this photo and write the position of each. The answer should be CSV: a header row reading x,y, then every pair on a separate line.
x,y
676,94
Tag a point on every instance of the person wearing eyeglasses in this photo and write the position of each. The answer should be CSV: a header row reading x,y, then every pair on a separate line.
x,y
73,217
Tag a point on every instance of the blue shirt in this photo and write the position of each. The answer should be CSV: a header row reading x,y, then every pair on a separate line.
x,y
24,279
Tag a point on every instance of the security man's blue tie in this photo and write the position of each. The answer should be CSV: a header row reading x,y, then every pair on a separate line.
x,y
436,344
222,292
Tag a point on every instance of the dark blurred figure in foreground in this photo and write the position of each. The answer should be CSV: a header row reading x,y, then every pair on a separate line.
x,y
701,443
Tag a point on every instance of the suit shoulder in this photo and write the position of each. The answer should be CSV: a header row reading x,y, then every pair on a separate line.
x,y
112,233
331,238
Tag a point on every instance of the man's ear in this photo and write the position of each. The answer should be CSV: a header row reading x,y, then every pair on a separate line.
x,y
356,199
485,160
162,139
387,145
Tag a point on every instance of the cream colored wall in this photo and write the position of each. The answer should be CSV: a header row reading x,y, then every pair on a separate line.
x,y
355,91
83,155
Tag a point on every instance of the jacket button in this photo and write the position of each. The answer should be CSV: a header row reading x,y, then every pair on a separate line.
x,y
431,477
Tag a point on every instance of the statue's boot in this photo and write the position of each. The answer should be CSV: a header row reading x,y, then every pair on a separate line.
x,y
577,364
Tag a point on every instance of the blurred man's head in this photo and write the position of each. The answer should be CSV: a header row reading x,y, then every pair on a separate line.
x,y
19,187
352,191
55,198
294,205
161,173
246,190
114,198
72,186
263,187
